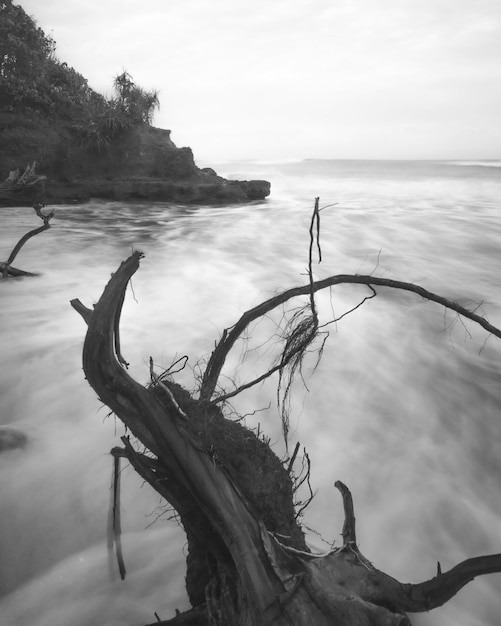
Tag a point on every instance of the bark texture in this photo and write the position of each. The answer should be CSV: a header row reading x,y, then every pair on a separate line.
x,y
248,564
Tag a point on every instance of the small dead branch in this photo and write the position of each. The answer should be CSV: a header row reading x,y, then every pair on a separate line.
x,y
157,381
357,306
172,369
293,458
301,479
6,266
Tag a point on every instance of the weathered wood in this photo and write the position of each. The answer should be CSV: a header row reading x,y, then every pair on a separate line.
x,y
147,420
253,579
349,534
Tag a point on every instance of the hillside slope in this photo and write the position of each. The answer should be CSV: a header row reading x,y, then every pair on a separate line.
x,y
86,145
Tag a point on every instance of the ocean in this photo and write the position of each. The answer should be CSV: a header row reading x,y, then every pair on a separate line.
x,y
403,407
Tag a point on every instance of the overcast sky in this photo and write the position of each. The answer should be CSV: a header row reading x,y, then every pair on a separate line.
x,y
292,79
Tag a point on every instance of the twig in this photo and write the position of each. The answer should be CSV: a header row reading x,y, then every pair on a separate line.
x,y
169,393
46,225
300,481
170,370
357,306
293,458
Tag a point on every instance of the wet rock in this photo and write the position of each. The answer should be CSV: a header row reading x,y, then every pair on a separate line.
x,y
142,163
197,190
12,438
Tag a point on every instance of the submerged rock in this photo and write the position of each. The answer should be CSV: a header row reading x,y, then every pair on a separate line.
x,y
195,190
12,438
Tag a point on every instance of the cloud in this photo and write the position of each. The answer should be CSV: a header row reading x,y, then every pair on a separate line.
x,y
234,66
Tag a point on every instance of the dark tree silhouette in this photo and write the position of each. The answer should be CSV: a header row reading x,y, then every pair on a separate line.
x,y
137,104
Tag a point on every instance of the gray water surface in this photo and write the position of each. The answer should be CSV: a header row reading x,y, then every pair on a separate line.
x,y
404,406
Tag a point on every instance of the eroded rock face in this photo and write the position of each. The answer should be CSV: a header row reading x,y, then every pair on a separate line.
x,y
12,438
197,190
141,152
140,164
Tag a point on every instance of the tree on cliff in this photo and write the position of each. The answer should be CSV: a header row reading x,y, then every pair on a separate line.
x,y
31,77
46,106
248,563
137,104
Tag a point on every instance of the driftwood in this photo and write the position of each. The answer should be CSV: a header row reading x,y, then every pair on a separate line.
x,y
6,268
21,188
248,569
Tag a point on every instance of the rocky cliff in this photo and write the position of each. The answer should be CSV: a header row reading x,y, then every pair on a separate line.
x,y
86,144
142,163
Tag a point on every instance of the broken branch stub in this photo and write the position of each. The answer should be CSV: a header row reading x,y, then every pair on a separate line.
x,y
250,578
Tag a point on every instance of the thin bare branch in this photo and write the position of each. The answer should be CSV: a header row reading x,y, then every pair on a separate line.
x,y
230,336
357,306
157,380
293,458
46,225
304,477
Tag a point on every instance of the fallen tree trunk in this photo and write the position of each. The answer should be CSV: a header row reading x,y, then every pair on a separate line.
x,y
6,266
248,564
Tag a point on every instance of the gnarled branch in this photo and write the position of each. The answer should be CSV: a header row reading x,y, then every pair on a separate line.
x,y
439,590
159,431
255,580
231,335
6,267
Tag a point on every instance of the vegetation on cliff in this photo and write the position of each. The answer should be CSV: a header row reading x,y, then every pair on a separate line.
x,y
31,77
47,106
86,144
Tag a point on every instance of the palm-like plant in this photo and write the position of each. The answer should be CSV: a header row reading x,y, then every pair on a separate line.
x,y
136,103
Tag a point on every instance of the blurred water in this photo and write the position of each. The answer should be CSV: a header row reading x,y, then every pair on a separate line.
x,y
404,406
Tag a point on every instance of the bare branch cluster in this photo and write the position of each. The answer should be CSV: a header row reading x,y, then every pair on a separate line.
x,y
252,574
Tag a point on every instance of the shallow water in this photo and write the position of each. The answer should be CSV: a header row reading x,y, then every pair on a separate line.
x,y
404,406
